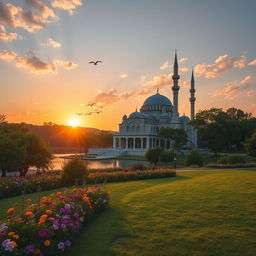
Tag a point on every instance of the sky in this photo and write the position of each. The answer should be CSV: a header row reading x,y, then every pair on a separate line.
x,y
46,47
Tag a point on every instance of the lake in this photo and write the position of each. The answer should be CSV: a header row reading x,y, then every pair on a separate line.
x,y
99,164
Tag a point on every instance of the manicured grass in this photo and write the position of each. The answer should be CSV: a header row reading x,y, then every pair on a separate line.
x,y
202,213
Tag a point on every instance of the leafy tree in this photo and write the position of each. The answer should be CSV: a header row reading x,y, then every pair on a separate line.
x,y
178,136
250,145
194,158
152,155
3,119
20,140
166,156
223,131
74,170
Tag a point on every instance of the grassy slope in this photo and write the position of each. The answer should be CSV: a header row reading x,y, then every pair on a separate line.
x,y
198,213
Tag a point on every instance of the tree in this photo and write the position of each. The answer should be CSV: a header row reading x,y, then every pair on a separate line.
x,y
166,156
29,146
3,119
221,130
178,136
152,155
250,145
194,158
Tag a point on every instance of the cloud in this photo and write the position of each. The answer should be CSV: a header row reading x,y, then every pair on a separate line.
x,y
7,55
182,60
8,36
106,98
250,93
220,65
123,76
52,43
66,64
34,17
185,84
2,28
252,63
36,65
165,65
67,5
183,70
229,91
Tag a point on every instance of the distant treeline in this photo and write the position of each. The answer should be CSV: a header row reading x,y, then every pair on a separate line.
x,y
61,136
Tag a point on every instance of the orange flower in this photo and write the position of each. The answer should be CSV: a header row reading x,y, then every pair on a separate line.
x,y
28,213
37,251
14,205
49,212
10,211
59,193
28,201
42,219
16,236
13,243
47,243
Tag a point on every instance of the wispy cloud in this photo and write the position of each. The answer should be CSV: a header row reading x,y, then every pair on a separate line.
x,y
182,60
8,55
67,5
2,28
252,63
35,64
220,65
165,65
231,90
52,43
9,36
124,75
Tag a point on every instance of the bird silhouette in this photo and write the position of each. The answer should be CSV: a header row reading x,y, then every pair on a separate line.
x,y
91,104
95,62
79,114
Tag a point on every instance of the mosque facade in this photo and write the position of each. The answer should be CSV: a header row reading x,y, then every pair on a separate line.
x,y
140,130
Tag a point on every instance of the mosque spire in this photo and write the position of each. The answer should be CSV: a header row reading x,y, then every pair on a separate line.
x,y
175,87
192,98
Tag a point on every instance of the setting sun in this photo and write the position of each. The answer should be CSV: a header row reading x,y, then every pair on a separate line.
x,y
74,122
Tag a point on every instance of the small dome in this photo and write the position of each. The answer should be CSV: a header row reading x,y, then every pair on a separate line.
x,y
136,115
164,115
148,116
157,99
184,118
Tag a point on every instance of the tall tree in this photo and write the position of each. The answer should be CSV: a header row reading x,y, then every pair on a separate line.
x,y
250,145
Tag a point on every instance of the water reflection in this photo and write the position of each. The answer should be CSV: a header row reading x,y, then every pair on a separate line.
x,y
99,164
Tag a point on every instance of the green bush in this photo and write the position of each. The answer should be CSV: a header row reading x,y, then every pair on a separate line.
x,y
74,171
166,156
235,159
194,158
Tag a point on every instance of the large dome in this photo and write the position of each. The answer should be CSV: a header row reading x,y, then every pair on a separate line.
x,y
157,99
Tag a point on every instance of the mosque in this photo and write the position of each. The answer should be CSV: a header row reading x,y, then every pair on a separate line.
x,y
140,130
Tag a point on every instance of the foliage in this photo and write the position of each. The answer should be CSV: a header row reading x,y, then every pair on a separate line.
x,y
138,167
47,227
12,186
250,145
3,119
21,149
178,136
74,171
221,130
231,159
152,155
166,156
230,166
194,158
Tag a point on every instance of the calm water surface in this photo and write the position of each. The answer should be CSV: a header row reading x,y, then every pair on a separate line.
x,y
98,164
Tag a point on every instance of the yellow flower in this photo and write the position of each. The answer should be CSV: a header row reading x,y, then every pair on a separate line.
x,y
10,211
47,243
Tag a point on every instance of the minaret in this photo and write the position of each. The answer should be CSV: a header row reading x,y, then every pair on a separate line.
x,y
192,96
175,88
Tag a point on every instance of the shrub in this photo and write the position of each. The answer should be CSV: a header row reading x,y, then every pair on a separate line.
x,y
152,155
166,156
74,171
235,159
250,145
194,158
138,167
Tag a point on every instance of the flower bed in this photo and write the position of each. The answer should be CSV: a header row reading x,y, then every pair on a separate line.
x,y
12,186
48,227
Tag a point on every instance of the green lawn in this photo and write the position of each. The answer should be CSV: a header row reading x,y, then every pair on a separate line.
x,y
203,213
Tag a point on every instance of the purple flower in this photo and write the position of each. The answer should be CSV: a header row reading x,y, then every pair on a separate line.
x,y
63,226
29,249
61,245
6,242
67,243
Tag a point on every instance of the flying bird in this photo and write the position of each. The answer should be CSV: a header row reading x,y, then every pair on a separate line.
x,y
91,104
95,62
79,114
